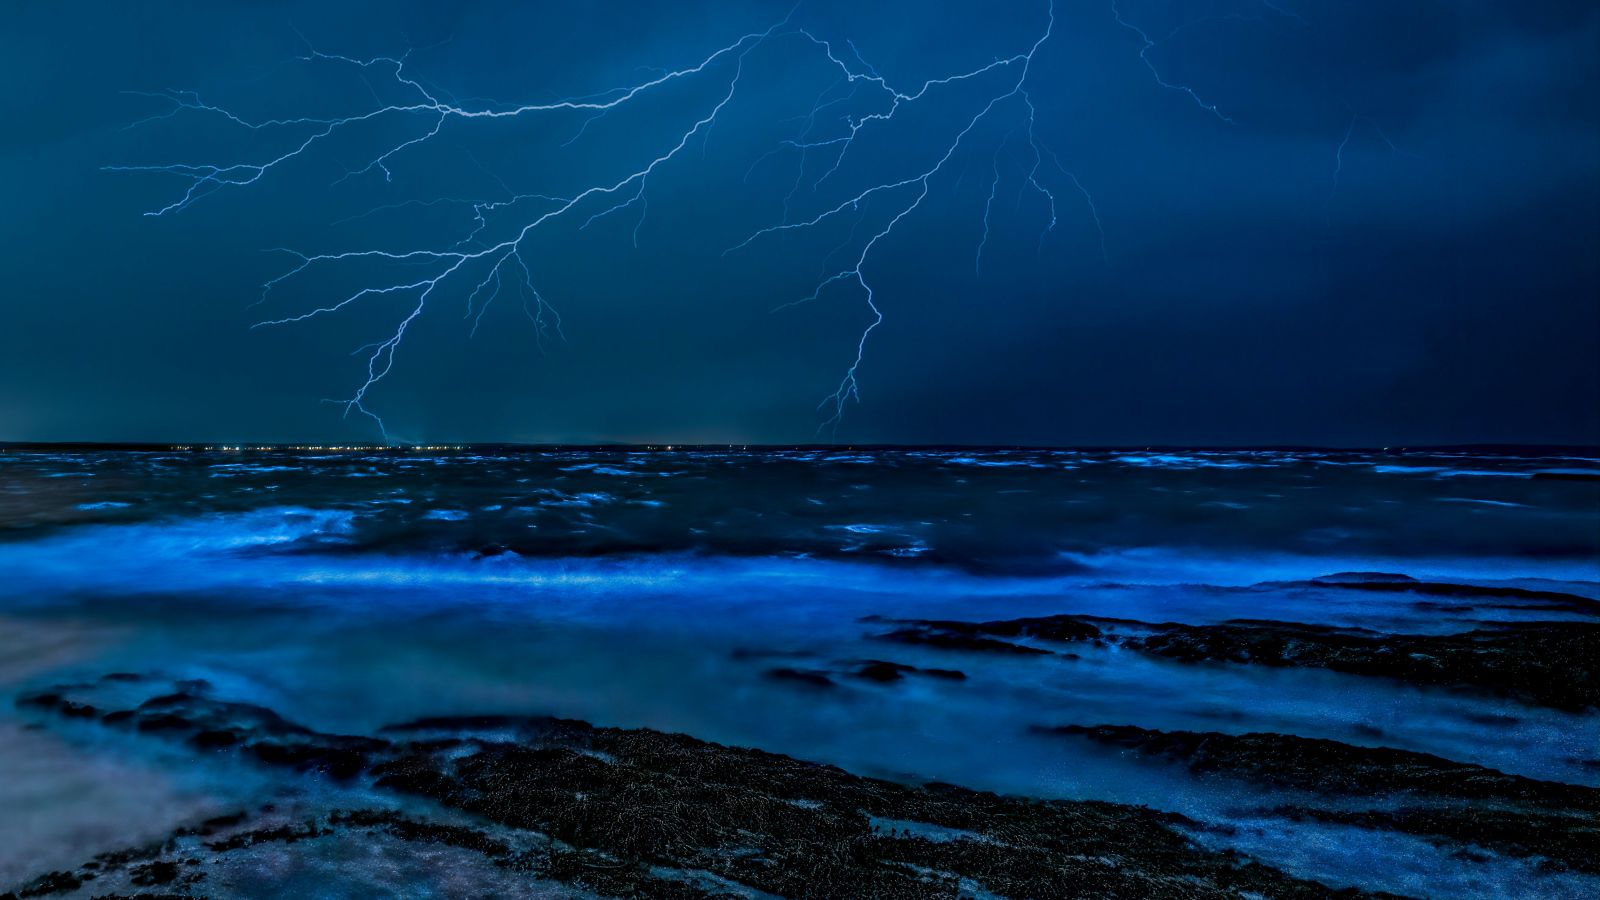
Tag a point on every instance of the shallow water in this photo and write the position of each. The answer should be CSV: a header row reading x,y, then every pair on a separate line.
x,y
656,589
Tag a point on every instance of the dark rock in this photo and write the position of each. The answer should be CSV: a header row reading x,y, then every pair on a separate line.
x,y
812,677
880,671
618,811
281,834
217,823
54,701
217,737
163,722
1372,581
1052,628
53,883
466,723
1553,664
50,700
627,802
884,672
1363,578
159,872
1466,804
950,634
952,640
414,831
339,762
1331,767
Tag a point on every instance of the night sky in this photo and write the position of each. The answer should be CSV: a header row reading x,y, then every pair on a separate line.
x,y
1442,289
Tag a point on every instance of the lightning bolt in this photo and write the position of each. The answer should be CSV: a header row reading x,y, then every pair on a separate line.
x,y
486,269
1356,122
488,258
1155,72
905,195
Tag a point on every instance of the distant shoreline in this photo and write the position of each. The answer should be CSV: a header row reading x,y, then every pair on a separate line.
x,y
512,447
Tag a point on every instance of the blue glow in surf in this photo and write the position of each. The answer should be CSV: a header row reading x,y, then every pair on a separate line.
x,y
348,592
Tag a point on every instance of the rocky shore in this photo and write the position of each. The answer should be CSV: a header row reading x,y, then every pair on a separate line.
x,y
637,813
1383,788
1465,808
1554,664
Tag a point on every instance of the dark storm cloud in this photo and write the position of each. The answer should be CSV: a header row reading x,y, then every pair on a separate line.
x,y
1442,289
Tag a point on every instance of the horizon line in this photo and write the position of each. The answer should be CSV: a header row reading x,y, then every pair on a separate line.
x,y
675,446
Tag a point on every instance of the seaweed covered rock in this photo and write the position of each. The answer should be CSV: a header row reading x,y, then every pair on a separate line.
x,y
1453,801
799,829
951,634
639,813
1553,664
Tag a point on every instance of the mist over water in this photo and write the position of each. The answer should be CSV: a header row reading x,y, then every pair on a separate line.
x,y
672,591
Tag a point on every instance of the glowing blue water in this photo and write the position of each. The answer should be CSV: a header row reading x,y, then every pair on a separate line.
x,y
655,590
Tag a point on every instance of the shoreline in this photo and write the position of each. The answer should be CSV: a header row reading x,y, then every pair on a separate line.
x,y
636,812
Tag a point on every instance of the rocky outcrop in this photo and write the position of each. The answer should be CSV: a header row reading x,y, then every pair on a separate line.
x,y
1555,664
640,813
1441,799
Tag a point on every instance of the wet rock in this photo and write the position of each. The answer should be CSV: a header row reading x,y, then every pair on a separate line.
x,y
644,814
53,883
945,639
215,738
1050,628
811,677
1553,664
414,831
55,702
1569,841
1383,582
951,634
1447,802
465,723
1364,578
281,834
624,800
1332,767
218,823
40,700
158,872
336,760
883,672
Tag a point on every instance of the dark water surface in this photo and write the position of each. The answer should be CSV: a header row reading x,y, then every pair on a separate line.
x,y
734,596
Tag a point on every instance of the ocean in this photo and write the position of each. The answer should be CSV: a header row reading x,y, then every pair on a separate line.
x,y
897,613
